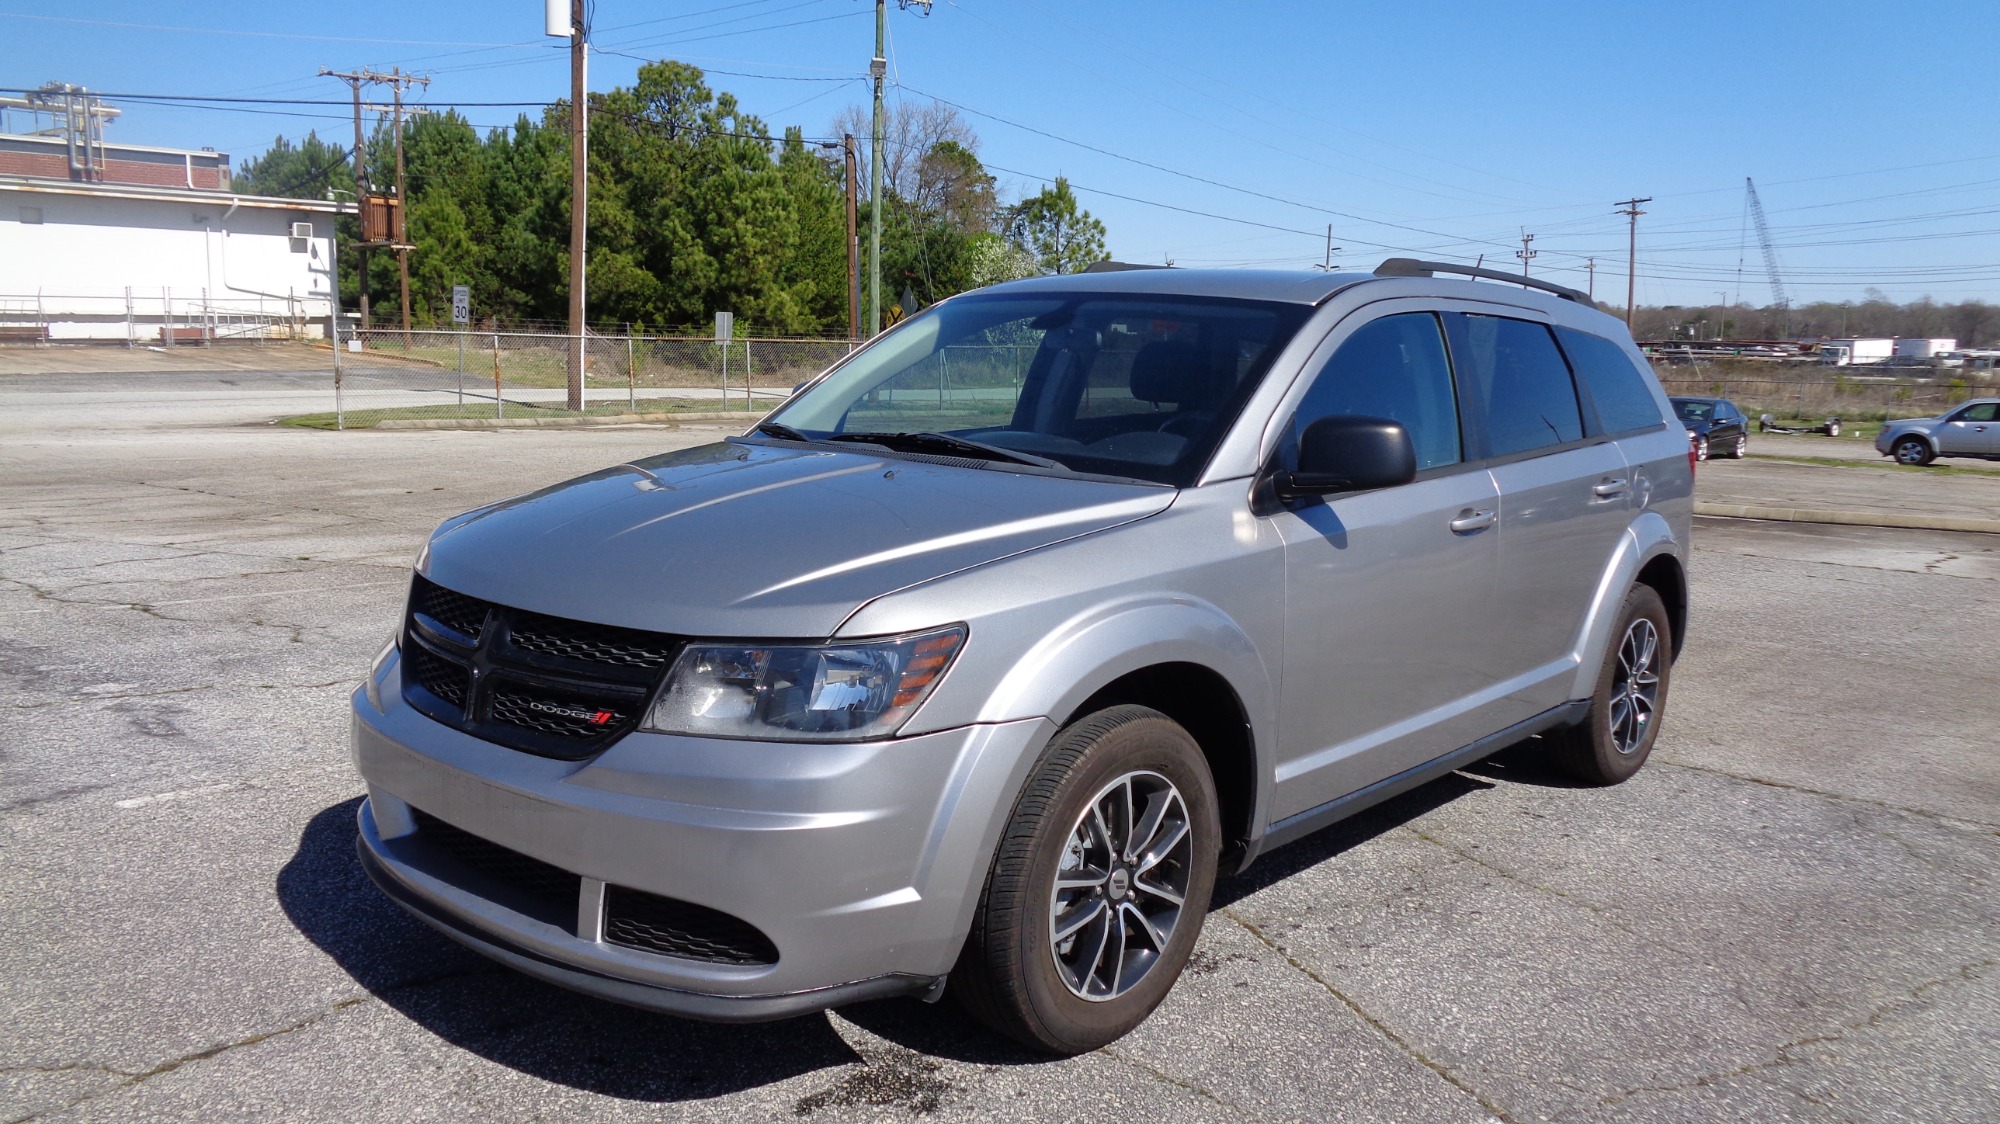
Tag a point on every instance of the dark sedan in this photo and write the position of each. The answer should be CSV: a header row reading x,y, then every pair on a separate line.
x,y
1716,424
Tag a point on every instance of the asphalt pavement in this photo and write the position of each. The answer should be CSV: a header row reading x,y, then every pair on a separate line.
x,y
1789,914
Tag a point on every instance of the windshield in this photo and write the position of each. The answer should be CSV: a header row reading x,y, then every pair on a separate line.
x,y
1694,409
1134,386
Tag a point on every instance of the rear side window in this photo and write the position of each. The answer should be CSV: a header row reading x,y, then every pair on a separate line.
x,y
1512,373
1617,387
1391,368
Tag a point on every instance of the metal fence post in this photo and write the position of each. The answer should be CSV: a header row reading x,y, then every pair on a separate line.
x,y
748,394
131,330
499,403
461,371
631,373
724,344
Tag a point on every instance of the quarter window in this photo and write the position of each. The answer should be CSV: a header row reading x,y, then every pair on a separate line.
x,y
1620,392
1512,372
1391,368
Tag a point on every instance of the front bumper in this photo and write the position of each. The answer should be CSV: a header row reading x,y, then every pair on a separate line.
x,y
861,863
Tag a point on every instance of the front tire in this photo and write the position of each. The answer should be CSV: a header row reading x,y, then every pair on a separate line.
x,y
1914,451
1701,448
1613,741
1099,887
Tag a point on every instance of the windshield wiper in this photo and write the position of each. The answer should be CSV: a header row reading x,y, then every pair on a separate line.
x,y
780,429
945,442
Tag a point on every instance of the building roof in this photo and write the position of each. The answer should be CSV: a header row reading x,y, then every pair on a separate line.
x,y
37,186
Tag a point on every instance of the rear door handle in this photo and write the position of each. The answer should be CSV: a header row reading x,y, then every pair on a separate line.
x,y
1613,487
1470,521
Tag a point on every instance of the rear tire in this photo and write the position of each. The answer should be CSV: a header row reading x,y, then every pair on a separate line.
x,y
1613,741
1099,887
1741,448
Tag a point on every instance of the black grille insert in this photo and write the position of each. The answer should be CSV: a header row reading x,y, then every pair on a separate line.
x,y
651,923
541,889
543,684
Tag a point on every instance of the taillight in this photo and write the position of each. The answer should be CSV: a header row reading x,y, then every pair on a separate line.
x,y
1691,451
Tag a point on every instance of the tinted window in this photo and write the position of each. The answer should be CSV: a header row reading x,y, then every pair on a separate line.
x,y
1392,368
1984,412
1512,372
1617,388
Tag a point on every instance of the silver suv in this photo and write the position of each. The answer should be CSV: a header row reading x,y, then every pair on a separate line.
x,y
981,656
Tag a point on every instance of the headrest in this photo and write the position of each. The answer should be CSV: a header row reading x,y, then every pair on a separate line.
x,y
1170,371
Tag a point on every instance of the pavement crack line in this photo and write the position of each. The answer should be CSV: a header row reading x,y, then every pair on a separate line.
x,y
1781,1054
1380,1027
1603,913
1935,817
1166,1078
128,1078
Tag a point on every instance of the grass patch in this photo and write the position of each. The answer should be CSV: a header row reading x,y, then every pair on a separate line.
x,y
1933,468
485,411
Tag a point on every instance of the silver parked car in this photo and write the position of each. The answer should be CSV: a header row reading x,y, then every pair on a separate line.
x,y
1971,430
981,656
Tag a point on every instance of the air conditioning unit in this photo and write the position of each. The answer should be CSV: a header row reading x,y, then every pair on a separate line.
x,y
302,230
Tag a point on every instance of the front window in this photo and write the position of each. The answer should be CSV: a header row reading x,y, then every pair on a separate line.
x,y
1141,387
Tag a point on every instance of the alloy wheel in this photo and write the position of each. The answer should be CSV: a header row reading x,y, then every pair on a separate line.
x,y
1635,686
1121,885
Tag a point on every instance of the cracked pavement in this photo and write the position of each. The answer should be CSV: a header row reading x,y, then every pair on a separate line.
x,y
1790,914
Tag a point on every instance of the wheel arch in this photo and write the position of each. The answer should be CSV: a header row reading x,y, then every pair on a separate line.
x,y
1205,704
1649,554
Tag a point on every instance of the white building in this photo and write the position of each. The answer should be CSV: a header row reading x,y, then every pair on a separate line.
x,y
83,257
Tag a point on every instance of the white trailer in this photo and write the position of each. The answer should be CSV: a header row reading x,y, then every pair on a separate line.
x,y
1923,349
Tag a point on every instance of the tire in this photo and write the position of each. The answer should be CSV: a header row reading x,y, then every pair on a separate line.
x,y
1613,741
1701,448
1741,448
1066,993
1912,451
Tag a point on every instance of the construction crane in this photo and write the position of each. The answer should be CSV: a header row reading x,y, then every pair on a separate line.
x,y
1770,251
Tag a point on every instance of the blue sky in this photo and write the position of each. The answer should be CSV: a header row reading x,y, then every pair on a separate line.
x,y
1233,134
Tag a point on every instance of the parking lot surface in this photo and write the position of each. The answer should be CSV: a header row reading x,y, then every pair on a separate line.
x,y
1790,914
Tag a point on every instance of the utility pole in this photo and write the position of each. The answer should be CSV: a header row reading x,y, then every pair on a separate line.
x,y
1630,209
394,233
1326,265
354,79
1524,253
1590,265
878,68
575,29
853,239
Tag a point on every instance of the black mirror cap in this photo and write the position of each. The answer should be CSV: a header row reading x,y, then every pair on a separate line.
x,y
1349,453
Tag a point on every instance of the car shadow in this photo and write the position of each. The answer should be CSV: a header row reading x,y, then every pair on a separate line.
x,y
1527,761
601,1047
503,1016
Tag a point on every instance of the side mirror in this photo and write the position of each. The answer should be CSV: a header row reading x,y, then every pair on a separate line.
x,y
1349,453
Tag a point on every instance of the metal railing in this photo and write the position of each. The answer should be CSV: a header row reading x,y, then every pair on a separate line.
x,y
139,317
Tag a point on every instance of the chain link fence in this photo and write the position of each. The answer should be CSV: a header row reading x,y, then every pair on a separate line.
x,y
392,377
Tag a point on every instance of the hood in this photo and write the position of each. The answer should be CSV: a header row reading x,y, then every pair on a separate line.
x,y
760,541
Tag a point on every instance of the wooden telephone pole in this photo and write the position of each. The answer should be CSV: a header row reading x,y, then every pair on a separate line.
x,y
382,222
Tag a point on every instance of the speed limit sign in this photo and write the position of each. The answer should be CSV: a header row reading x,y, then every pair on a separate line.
x,y
461,304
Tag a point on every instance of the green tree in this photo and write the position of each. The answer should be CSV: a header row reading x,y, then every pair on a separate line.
x,y
1057,234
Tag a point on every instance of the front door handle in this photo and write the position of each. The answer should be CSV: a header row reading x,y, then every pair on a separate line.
x,y
1613,487
1471,520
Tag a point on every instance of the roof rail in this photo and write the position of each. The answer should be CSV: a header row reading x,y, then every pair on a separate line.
x,y
1411,267
1108,266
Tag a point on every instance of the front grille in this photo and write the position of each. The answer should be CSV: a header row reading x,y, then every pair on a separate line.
x,y
651,923
440,677
462,614
546,889
538,710
543,684
592,643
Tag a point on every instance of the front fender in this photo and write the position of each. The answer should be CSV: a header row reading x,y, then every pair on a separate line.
x,y
1649,537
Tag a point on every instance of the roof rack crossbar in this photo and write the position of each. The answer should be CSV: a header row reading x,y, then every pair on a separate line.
x,y
1412,267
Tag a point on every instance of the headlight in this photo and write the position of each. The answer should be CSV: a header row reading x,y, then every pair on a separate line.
x,y
826,692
